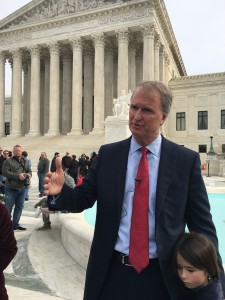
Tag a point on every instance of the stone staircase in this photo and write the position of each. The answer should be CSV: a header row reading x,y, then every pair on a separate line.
x,y
74,144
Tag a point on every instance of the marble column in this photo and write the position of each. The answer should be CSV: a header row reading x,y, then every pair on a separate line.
x,y
54,97
156,57
46,94
88,107
25,97
2,95
99,83
161,64
67,93
76,44
35,92
109,80
166,65
42,97
16,109
132,67
139,66
123,42
148,31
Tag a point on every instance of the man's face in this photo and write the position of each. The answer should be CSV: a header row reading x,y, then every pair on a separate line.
x,y
17,152
43,155
6,154
145,116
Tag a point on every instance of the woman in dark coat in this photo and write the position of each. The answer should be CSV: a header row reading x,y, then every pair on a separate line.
x,y
8,247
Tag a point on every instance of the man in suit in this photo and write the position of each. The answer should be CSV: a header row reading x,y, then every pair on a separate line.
x,y
176,197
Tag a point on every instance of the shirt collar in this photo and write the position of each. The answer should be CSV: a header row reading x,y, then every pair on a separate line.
x,y
154,147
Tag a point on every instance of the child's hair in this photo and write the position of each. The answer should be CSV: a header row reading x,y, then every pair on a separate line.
x,y
199,251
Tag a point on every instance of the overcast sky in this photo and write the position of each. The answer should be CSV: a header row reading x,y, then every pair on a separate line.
x,y
199,27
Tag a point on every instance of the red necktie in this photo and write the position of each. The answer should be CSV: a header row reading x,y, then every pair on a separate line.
x,y
139,236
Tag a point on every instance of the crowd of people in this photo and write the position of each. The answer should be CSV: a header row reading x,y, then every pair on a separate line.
x,y
145,202
16,174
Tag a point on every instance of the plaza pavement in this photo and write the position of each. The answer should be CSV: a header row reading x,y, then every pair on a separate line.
x,y
54,277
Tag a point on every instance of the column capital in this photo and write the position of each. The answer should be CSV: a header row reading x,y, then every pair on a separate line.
x,y
53,47
76,42
157,44
122,35
34,50
16,53
148,30
98,39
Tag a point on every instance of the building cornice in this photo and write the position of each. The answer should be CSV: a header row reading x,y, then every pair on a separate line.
x,y
201,76
168,30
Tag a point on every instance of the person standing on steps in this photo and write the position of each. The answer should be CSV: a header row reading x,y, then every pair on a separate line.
x,y
18,174
53,167
25,155
42,170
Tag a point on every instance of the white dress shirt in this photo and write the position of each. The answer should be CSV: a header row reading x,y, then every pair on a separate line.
x,y
134,156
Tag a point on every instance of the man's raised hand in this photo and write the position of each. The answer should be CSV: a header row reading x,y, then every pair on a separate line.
x,y
55,181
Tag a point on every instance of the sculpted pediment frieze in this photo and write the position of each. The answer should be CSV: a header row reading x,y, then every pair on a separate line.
x,y
49,9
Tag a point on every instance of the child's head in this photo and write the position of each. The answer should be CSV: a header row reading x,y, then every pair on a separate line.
x,y
195,260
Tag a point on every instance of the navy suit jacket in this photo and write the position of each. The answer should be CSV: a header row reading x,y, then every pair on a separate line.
x,y
181,199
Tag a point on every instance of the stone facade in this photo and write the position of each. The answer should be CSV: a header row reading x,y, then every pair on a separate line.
x,y
76,56
194,96
71,58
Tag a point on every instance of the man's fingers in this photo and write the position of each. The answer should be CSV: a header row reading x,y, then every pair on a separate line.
x,y
58,164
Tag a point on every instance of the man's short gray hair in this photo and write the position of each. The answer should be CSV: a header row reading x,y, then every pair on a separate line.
x,y
164,92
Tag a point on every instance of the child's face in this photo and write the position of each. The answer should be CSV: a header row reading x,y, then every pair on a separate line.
x,y
191,276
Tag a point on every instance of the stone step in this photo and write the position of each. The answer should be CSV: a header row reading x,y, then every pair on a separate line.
x,y
84,143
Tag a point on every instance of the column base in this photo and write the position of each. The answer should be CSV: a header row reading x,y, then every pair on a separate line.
x,y
52,133
15,134
75,132
97,131
32,133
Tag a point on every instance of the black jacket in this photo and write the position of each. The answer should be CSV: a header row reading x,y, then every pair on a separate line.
x,y
212,291
181,199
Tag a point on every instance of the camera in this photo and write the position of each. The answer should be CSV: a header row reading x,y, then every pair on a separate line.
x,y
27,180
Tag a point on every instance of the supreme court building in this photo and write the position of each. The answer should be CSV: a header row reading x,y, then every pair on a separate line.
x,y
71,58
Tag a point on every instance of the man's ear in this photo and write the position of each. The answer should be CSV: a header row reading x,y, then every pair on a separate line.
x,y
163,119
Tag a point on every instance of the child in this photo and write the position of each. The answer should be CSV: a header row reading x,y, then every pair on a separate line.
x,y
196,265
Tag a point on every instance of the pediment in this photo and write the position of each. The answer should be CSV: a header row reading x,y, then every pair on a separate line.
x,y
38,11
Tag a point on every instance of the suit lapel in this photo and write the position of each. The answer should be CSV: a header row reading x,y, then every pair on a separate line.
x,y
121,169
166,167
